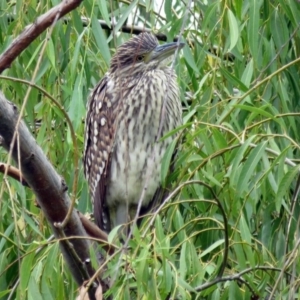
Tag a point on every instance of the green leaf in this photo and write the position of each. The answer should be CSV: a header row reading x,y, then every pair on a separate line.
x,y
285,185
234,29
165,165
188,56
51,53
258,111
104,12
182,261
101,40
245,232
237,158
75,56
253,27
212,247
77,109
248,73
168,9
249,166
25,273
33,56
234,80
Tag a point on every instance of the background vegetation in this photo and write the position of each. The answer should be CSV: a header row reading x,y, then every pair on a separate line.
x,y
232,229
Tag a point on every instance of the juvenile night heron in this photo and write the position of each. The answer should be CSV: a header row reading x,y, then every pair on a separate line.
x,y
131,108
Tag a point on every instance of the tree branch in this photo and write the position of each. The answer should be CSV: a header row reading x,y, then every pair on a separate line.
x,y
12,172
32,31
91,229
50,191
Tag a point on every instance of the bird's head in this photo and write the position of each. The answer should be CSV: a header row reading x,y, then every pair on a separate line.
x,y
142,53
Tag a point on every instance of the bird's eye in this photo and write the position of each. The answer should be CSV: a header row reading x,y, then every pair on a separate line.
x,y
140,58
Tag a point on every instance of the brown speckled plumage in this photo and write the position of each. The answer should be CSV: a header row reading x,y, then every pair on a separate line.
x,y
126,117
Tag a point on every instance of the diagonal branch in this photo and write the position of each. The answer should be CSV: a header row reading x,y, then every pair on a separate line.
x,y
32,31
50,191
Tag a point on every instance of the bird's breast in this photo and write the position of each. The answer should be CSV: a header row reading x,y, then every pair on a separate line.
x,y
148,110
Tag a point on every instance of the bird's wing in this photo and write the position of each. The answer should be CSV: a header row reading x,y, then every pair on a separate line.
x,y
99,137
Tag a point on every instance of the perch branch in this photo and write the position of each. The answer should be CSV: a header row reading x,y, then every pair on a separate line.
x,y
49,189
91,229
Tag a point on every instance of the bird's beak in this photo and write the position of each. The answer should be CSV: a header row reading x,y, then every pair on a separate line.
x,y
162,52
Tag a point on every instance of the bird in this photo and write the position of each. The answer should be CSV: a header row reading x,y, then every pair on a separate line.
x,y
133,106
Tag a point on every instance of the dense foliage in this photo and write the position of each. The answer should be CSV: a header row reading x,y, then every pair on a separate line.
x,y
233,220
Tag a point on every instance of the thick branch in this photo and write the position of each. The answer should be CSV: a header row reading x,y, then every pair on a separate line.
x,y
33,30
49,189
91,229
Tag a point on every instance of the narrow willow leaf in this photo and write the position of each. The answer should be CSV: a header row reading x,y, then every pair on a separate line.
x,y
166,277
211,178
33,56
4,293
142,274
248,73
219,138
104,11
179,224
33,290
165,166
234,291
182,261
51,53
113,235
25,273
234,80
188,116
280,33
168,9
52,254
256,110
185,285
43,69
244,229
249,167
101,40
76,109
7,233
45,290
201,83
253,27
285,185
212,247
189,57
237,158
159,229
239,253
75,56
233,29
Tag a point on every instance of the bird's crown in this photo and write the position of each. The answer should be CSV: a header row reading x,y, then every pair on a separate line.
x,y
133,51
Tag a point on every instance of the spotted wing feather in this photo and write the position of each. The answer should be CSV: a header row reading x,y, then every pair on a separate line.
x,y
99,136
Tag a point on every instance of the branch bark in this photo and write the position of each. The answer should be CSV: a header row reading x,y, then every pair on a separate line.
x,y
32,31
12,172
50,191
